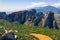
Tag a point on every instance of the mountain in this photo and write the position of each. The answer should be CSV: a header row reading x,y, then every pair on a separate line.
x,y
47,8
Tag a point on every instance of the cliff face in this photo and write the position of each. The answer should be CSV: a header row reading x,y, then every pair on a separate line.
x,y
31,16
19,16
23,16
49,20
38,18
2,15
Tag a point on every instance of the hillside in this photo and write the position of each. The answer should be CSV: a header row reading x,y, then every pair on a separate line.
x,y
30,21
24,31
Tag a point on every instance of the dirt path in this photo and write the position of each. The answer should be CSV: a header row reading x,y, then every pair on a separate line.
x,y
41,37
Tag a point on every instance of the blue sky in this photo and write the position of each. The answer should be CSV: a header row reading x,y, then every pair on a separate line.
x,y
13,5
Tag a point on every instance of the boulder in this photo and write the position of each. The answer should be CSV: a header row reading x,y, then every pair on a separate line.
x,y
8,35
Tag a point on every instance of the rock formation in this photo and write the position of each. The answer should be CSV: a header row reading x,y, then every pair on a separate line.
x,y
31,16
19,16
2,15
8,35
49,21
38,18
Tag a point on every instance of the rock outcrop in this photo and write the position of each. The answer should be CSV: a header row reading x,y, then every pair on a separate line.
x,y
19,16
38,18
2,15
31,16
34,17
49,21
8,35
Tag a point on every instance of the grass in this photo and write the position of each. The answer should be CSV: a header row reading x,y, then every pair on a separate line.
x,y
24,31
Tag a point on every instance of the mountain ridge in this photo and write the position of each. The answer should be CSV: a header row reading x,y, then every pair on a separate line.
x,y
47,8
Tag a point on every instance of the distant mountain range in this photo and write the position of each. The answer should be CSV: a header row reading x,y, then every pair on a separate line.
x,y
42,9
47,8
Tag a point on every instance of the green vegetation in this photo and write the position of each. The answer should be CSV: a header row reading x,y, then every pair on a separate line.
x,y
24,31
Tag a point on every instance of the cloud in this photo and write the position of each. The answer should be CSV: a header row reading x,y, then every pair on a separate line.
x,y
42,4
11,8
56,4
27,6
19,7
37,4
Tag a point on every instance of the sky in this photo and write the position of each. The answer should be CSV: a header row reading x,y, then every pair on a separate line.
x,y
15,5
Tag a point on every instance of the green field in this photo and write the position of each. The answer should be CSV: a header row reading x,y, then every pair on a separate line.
x,y
24,31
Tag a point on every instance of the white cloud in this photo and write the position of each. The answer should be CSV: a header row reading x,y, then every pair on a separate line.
x,y
56,4
11,8
20,7
37,4
42,4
